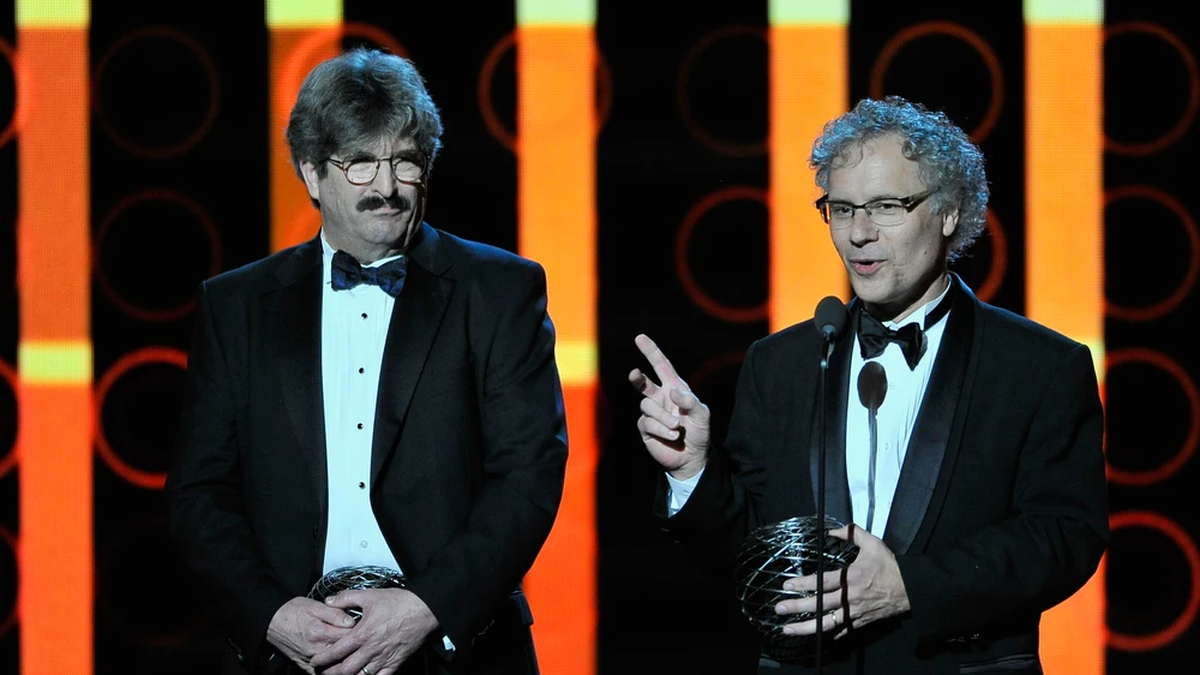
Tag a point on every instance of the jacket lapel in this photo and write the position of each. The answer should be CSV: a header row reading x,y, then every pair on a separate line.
x,y
416,319
295,317
837,490
933,446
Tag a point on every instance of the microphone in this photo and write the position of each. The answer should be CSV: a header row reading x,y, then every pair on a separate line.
x,y
872,388
830,320
872,385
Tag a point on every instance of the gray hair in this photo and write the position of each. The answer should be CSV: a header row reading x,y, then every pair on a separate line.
x,y
948,160
351,101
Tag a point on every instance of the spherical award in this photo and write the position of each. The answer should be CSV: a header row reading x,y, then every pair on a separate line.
x,y
354,579
773,554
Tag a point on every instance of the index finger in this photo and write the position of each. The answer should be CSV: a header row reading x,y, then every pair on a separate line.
x,y
658,361
344,599
333,615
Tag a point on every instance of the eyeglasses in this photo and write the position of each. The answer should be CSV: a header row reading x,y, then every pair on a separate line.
x,y
887,212
362,170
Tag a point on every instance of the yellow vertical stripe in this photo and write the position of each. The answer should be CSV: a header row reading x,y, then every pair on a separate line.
x,y
303,13
1064,244
1085,12
811,13
565,13
55,362
809,70
53,13
54,368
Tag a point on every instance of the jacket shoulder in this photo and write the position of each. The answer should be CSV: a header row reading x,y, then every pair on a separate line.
x,y
1020,334
262,274
471,253
801,336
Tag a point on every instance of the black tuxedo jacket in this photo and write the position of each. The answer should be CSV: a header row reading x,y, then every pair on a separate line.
x,y
1001,509
468,457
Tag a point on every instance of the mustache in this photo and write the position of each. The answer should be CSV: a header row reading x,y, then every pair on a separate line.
x,y
375,202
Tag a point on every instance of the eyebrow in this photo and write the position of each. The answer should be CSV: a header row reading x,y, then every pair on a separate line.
x,y
405,153
872,199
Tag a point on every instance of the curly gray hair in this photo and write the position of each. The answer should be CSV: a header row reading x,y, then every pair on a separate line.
x,y
947,158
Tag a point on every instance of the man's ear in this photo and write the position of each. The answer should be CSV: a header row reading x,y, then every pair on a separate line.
x,y
311,180
949,223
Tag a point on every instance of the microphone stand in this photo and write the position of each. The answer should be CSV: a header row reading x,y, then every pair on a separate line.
x,y
821,405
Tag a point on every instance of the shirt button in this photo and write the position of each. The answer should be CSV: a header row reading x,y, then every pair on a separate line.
x,y
363,543
360,425
361,371
362,485
364,315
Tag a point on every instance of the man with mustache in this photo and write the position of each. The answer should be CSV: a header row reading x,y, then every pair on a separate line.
x,y
978,498
384,395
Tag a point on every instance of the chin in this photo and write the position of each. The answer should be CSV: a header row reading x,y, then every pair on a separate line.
x,y
874,291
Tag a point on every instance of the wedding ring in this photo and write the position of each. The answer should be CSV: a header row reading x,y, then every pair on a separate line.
x,y
366,670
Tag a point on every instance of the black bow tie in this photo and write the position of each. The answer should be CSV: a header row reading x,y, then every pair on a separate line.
x,y
873,336
389,277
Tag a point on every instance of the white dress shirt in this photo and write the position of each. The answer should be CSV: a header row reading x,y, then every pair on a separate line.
x,y
896,417
354,326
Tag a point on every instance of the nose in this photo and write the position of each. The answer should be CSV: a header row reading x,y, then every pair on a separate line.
x,y
385,180
862,229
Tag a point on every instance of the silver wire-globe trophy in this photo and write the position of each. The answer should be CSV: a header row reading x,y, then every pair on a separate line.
x,y
773,554
355,579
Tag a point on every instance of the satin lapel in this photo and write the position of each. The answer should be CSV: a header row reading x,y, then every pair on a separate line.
x,y
416,319
295,310
933,445
837,490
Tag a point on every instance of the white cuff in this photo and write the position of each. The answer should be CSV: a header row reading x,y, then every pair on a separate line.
x,y
679,491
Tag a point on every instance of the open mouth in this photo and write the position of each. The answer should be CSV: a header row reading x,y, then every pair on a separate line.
x,y
865,267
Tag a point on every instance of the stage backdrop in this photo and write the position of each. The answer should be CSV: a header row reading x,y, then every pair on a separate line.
x,y
652,155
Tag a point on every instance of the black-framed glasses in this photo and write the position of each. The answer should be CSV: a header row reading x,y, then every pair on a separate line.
x,y
361,171
886,212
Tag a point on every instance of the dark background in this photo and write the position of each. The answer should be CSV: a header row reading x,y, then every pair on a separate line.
x,y
199,204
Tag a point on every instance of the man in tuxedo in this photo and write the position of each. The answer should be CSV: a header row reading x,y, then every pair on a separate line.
x,y
383,395
977,497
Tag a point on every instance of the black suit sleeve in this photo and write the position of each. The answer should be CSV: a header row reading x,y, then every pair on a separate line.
x,y
724,505
1052,543
524,457
204,491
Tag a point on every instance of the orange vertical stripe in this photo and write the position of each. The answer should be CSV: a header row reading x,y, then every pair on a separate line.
x,y
556,210
293,52
556,167
55,542
809,71
1064,259
561,586
1065,207
53,239
56,549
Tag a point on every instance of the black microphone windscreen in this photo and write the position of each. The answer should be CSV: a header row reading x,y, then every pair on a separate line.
x,y
831,316
872,385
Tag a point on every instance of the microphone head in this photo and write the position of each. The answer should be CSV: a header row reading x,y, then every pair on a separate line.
x,y
872,385
831,317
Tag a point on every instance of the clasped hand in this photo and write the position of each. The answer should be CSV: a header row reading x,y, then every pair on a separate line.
x,y
874,589
323,638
